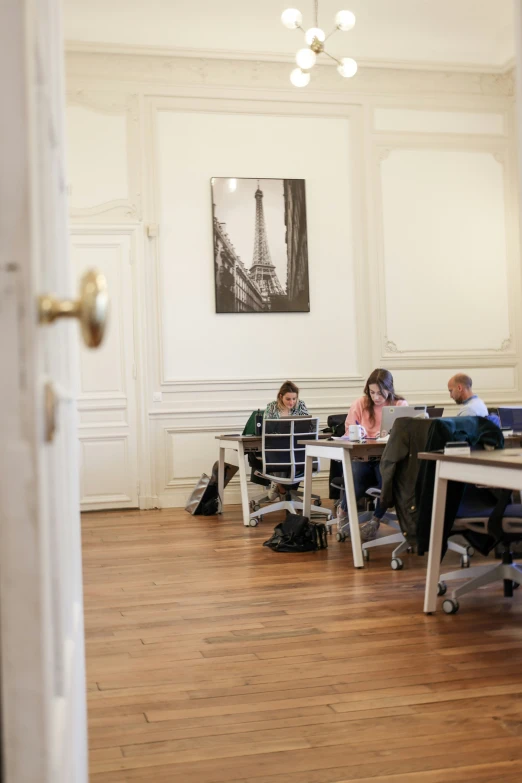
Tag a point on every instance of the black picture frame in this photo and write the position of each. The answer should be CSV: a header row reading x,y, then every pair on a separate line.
x,y
260,245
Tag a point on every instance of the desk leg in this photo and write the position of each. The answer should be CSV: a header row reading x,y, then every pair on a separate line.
x,y
437,527
221,478
243,483
353,516
307,499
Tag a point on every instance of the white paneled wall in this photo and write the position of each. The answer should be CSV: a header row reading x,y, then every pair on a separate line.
x,y
413,250
444,242
108,180
426,121
278,146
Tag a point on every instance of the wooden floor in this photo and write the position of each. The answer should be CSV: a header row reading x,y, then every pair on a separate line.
x,y
212,659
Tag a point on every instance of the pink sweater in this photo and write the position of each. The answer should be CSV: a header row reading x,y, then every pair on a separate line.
x,y
359,414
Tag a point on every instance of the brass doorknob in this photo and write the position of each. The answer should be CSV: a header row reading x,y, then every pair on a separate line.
x,y
91,309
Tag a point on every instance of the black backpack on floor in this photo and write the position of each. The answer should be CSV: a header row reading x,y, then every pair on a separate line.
x,y
298,534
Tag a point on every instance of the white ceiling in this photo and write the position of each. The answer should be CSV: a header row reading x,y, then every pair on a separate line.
x,y
462,32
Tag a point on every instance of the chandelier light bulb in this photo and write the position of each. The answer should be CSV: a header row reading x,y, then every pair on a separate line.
x,y
292,18
298,78
347,67
305,59
344,20
313,33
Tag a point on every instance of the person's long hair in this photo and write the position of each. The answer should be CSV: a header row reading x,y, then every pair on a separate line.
x,y
384,380
287,388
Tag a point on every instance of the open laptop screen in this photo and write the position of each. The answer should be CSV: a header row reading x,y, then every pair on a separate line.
x,y
511,417
391,412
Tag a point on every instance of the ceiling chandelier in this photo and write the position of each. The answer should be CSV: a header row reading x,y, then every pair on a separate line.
x,y
315,39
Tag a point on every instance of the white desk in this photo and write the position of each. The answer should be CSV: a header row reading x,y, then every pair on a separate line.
x,y
502,468
241,444
343,451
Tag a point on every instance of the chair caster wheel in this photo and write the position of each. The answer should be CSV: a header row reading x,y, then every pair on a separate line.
x,y
450,606
397,564
464,561
366,554
318,502
470,551
442,588
340,537
254,522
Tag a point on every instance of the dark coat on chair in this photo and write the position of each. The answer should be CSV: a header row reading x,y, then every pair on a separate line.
x,y
475,430
399,469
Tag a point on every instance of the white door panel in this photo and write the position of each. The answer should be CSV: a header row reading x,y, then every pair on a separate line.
x,y
41,605
107,399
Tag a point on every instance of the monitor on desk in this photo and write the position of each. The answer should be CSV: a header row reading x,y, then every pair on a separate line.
x,y
511,418
390,413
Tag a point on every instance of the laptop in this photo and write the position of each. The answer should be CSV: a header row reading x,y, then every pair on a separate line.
x,y
434,412
391,412
511,418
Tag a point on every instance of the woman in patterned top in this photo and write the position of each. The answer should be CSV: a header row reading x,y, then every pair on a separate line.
x,y
287,403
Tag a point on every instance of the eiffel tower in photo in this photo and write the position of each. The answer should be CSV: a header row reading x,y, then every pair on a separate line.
x,y
262,271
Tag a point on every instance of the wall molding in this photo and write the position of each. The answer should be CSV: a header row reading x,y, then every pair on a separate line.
x,y
107,500
252,384
266,106
117,102
175,70
498,147
88,47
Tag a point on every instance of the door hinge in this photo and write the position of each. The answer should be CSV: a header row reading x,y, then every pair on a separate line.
x,y
138,488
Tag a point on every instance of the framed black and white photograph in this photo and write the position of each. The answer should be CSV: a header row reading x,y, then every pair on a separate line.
x,y
260,245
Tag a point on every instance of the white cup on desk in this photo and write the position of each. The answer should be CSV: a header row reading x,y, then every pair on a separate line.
x,y
355,432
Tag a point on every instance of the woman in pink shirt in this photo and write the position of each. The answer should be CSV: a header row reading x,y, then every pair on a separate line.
x,y
367,411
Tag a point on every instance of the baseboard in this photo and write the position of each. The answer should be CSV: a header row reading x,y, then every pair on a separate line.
x,y
177,497
148,502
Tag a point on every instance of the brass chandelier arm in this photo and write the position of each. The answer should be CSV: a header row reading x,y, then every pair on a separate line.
x,y
331,33
332,57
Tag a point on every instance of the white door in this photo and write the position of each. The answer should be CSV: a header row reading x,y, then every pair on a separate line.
x,y
107,394
41,610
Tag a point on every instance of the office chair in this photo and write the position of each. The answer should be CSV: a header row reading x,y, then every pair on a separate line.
x,y
498,522
284,461
399,469
466,551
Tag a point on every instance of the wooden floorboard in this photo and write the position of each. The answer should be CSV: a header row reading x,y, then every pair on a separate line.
x,y
212,659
